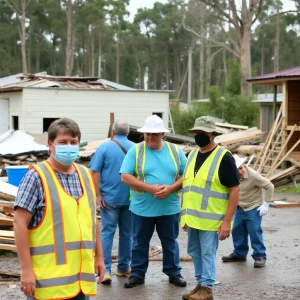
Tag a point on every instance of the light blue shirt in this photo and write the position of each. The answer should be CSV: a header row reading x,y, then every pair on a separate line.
x,y
107,161
159,169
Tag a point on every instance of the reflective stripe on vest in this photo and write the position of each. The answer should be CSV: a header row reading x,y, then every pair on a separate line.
x,y
69,246
65,280
141,155
207,192
202,215
59,245
59,241
90,196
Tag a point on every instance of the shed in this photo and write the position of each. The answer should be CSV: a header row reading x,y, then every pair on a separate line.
x,y
290,82
30,102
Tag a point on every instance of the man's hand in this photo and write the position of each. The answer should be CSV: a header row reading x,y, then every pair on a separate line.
x,y
153,189
99,269
184,228
28,282
101,202
224,231
164,191
263,209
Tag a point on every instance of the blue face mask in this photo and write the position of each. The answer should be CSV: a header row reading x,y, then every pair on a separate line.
x,y
66,154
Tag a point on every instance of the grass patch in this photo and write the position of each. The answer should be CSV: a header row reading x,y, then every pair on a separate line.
x,y
291,189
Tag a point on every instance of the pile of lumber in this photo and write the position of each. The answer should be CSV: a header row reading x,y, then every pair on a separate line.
x,y
274,154
8,193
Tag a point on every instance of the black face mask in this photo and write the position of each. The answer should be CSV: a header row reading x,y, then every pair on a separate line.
x,y
202,140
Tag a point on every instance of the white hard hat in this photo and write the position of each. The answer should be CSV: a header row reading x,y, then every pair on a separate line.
x,y
153,124
239,160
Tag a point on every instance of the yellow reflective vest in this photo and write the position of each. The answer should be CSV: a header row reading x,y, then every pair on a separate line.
x,y
140,157
204,198
62,246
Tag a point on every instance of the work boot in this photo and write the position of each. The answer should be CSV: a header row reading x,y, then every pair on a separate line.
x,y
259,262
232,258
106,279
133,281
177,280
125,274
186,296
204,293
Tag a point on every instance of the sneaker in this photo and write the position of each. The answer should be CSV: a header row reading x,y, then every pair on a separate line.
x,y
204,293
121,273
186,296
232,258
133,281
177,280
259,262
106,279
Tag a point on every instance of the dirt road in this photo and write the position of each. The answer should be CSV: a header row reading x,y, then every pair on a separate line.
x,y
280,279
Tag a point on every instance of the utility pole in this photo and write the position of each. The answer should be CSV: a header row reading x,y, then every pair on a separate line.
x,y
189,100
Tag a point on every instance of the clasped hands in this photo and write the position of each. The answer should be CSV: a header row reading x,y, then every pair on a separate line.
x,y
160,191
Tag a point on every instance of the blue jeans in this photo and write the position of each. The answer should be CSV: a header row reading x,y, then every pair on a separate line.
x,y
202,247
111,217
78,297
167,228
248,223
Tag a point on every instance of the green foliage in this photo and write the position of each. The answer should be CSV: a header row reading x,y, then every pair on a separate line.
x,y
291,189
234,109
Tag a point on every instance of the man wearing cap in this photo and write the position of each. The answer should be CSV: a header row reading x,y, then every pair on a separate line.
x,y
248,217
210,193
153,169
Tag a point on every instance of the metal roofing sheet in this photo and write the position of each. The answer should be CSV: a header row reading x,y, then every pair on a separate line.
x,y
293,72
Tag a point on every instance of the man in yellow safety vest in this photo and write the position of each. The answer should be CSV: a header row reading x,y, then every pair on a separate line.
x,y
57,236
210,193
153,169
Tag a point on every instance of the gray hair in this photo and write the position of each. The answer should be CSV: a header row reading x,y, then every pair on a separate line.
x,y
121,128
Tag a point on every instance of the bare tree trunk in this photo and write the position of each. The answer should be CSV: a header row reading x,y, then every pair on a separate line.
x,y
225,67
175,78
99,53
29,50
37,53
245,61
167,70
276,47
92,52
118,60
155,67
208,68
202,49
69,8
53,56
23,36
139,73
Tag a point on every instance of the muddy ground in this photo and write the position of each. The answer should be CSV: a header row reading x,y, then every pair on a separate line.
x,y
280,279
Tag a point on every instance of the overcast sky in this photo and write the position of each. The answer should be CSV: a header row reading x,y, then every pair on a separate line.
x,y
135,4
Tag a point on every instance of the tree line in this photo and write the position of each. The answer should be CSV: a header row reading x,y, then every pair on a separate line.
x,y
227,41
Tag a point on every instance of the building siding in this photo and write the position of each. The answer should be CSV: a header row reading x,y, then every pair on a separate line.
x,y
15,107
91,109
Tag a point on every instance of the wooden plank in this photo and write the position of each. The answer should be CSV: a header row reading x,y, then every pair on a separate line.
x,y
285,205
6,239
282,173
8,247
228,125
274,164
285,156
6,221
6,233
6,204
7,210
9,273
8,191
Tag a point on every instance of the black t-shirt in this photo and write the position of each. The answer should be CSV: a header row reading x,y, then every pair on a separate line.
x,y
228,172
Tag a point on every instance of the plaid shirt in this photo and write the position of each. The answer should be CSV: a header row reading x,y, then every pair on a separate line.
x,y
31,194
